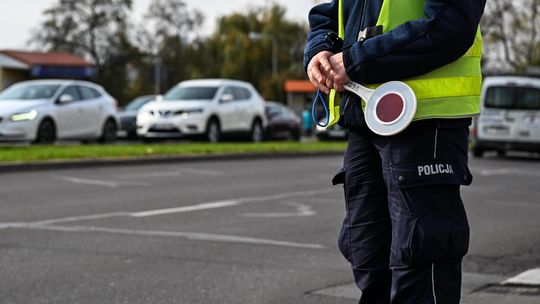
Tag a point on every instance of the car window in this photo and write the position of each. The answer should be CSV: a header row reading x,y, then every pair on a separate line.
x,y
88,93
274,110
230,91
138,102
190,93
530,99
29,91
517,98
73,91
241,93
500,97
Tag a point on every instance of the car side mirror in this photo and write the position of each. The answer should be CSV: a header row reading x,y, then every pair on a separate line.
x,y
226,98
66,98
159,98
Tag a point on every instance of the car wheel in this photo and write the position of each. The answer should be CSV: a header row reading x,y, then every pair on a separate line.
x,y
213,132
295,135
108,133
478,152
46,133
257,132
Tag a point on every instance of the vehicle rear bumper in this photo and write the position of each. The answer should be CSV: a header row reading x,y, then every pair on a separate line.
x,y
506,145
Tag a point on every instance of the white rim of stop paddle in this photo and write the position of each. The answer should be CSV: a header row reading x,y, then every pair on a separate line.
x,y
405,118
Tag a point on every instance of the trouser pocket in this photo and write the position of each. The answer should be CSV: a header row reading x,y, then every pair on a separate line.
x,y
429,223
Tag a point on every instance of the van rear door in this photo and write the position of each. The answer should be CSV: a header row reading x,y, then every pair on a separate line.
x,y
529,122
497,122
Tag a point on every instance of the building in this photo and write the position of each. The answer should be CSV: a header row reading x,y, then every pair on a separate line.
x,y
17,66
300,93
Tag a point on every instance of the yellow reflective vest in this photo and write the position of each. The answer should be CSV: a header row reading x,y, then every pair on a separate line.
x,y
452,91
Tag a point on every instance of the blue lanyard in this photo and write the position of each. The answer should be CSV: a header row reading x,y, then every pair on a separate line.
x,y
320,98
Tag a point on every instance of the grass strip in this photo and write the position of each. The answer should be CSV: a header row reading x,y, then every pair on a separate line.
x,y
28,154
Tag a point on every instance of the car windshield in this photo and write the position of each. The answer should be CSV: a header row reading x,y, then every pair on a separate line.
x,y
519,98
191,93
29,92
137,103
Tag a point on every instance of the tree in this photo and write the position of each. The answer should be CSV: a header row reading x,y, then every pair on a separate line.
x,y
165,39
85,27
511,35
251,59
94,29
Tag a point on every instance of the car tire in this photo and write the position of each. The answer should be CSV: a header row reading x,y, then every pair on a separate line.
x,y
296,135
46,132
257,132
213,131
108,133
478,152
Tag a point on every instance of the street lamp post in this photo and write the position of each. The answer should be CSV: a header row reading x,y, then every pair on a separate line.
x,y
259,36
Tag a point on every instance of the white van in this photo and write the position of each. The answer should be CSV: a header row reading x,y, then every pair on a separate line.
x,y
510,116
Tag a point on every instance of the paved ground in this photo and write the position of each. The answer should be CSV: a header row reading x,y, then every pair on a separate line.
x,y
258,231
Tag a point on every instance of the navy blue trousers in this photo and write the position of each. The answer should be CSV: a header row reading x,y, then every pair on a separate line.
x,y
406,231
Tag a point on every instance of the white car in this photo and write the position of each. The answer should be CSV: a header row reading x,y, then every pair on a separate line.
x,y
209,108
510,117
43,111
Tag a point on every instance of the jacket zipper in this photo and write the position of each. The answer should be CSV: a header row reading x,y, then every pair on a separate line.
x,y
362,19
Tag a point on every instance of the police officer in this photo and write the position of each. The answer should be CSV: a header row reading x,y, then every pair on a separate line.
x,y
405,231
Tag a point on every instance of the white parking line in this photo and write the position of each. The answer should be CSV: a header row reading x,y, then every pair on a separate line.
x,y
78,218
205,206
113,184
228,203
91,182
302,211
185,235
183,171
530,277
508,171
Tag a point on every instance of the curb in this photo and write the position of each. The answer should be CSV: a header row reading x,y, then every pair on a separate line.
x,y
152,160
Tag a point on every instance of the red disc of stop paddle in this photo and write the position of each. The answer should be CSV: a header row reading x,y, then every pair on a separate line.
x,y
390,108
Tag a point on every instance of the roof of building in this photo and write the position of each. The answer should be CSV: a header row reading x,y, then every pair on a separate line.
x,y
49,58
299,86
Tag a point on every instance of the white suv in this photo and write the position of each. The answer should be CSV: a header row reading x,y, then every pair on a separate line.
x,y
46,110
209,107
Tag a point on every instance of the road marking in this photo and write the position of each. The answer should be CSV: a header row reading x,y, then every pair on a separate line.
x,y
184,235
530,277
91,182
205,206
302,211
95,182
171,173
227,203
508,171
78,218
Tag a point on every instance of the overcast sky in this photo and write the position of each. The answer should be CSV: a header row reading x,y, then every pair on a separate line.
x,y
19,17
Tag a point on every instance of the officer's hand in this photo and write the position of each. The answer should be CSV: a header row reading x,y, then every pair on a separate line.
x,y
338,72
318,68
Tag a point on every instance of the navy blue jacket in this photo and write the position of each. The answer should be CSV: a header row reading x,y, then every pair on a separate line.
x,y
412,49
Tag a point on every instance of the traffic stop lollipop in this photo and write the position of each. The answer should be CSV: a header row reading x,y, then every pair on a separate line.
x,y
389,109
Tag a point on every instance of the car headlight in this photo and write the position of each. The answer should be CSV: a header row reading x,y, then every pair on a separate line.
x,y
187,113
31,115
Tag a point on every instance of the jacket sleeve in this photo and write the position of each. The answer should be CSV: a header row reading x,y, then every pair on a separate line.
x,y
419,46
323,18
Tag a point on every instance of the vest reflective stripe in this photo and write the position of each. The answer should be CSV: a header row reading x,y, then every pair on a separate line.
x,y
449,92
334,98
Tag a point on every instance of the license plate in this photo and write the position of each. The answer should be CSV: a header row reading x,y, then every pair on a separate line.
x,y
165,127
497,130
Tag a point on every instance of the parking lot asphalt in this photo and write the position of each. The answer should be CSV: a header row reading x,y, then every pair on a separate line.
x,y
239,231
